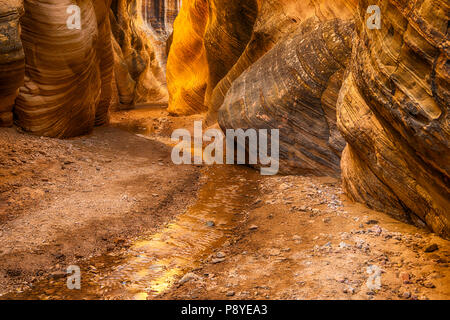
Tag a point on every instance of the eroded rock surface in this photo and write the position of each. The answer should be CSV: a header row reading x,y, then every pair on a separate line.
x,y
393,112
159,16
72,73
391,97
187,66
11,59
138,73
63,80
284,90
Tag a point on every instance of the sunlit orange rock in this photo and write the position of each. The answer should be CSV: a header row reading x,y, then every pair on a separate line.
x,y
69,71
231,36
187,66
294,88
392,96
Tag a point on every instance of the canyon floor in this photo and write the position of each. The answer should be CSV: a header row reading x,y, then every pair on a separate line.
x,y
141,227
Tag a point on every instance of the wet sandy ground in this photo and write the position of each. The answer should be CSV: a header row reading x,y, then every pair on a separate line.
x,y
305,240
113,203
63,202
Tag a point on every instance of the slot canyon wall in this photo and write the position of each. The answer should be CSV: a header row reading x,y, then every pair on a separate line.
x,y
159,16
315,71
11,59
368,105
393,112
60,81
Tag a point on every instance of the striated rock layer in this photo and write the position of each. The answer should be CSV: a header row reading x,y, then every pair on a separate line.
x,y
71,74
187,66
159,16
394,113
11,59
138,73
275,69
63,80
294,88
231,36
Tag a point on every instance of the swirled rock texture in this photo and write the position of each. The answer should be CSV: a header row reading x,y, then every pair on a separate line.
x,y
394,113
187,66
159,16
294,88
11,59
279,75
231,36
68,71
138,73
276,68
71,73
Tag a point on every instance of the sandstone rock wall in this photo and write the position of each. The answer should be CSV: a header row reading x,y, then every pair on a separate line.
x,y
391,96
70,75
63,80
187,66
393,112
138,73
284,90
11,59
232,35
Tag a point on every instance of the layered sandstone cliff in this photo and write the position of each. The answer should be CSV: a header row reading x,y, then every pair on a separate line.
x,y
11,58
294,88
394,113
159,17
72,72
138,73
64,84
269,64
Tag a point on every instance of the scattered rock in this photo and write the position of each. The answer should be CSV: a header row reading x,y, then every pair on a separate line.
x,y
431,248
230,293
217,260
188,277
220,254
350,290
253,227
429,285
406,295
343,245
376,229
405,278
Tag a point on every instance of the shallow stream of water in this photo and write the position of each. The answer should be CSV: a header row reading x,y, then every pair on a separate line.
x,y
154,263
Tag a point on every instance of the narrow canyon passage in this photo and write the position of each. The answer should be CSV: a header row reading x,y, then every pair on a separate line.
x,y
321,170
232,234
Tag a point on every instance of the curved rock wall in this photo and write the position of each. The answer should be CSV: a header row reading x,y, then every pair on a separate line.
x,y
63,80
394,113
71,73
159,17
284,90
11,59
391,96
138,73
187,66
232,35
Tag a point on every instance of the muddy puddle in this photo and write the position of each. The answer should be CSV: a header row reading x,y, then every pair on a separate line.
x,y
156,262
